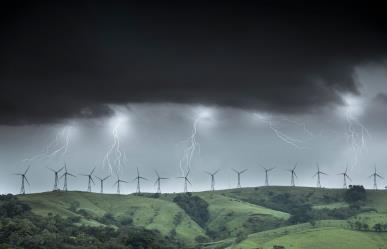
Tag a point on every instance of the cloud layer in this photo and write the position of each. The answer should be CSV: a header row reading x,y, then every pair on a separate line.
x,y
60,61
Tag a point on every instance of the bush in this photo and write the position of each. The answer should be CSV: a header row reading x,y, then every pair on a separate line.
x,y
355,195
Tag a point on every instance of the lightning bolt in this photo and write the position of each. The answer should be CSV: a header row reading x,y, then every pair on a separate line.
x,y
357,136
294,142
193,145
114,157
57,148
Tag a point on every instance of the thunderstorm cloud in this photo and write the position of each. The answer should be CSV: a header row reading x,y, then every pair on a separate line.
x,y
60,61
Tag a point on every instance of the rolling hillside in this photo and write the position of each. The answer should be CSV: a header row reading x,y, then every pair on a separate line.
x,y
237,218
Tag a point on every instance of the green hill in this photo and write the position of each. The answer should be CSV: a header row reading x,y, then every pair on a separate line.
x,y
237,218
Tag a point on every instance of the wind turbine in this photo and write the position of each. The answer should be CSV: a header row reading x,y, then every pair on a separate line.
x,y
139,178
318,174
158,181
345,177
293,174
23,180
239,176
118,183
65,174
212,176
186,180
56,177
267,170
101,180
375,175
90,179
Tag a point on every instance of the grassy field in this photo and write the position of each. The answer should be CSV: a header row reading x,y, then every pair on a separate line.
x,y
254,212
330,234
150,213
232,215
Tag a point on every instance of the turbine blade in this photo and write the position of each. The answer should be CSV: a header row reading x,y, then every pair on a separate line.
x,y
71,175
188,181
27,169
93,170
51,169
26,180
243,171
157,173
106,178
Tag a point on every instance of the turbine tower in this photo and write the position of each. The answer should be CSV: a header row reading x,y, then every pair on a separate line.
x,y
267,170
56,178
118,183
186,180
139,178
375,175
101,180
23,180
158,182
65,174
212,176
239,176
318,174
90,179
293,174
345,177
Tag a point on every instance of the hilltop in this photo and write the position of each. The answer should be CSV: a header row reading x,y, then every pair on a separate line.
x,y
262,217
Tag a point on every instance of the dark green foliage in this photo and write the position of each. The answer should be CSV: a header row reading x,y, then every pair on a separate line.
x,y
355,194
240,237
201,239
108,219
335,214
19,228
126,221
377,227
11,207
194,206
300,214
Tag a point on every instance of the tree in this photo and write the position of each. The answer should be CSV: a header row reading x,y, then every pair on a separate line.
x,y
355,194
377,227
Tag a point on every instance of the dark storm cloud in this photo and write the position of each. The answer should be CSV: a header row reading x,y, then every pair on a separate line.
x,y
60,61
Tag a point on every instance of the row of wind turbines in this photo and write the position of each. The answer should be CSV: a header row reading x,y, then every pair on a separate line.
x,y
90,178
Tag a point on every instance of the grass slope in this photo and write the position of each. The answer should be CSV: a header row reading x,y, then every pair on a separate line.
x,y
150,213
251,211
324,235
233,216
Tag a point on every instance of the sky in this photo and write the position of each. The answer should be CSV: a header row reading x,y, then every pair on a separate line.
x,y
172,87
